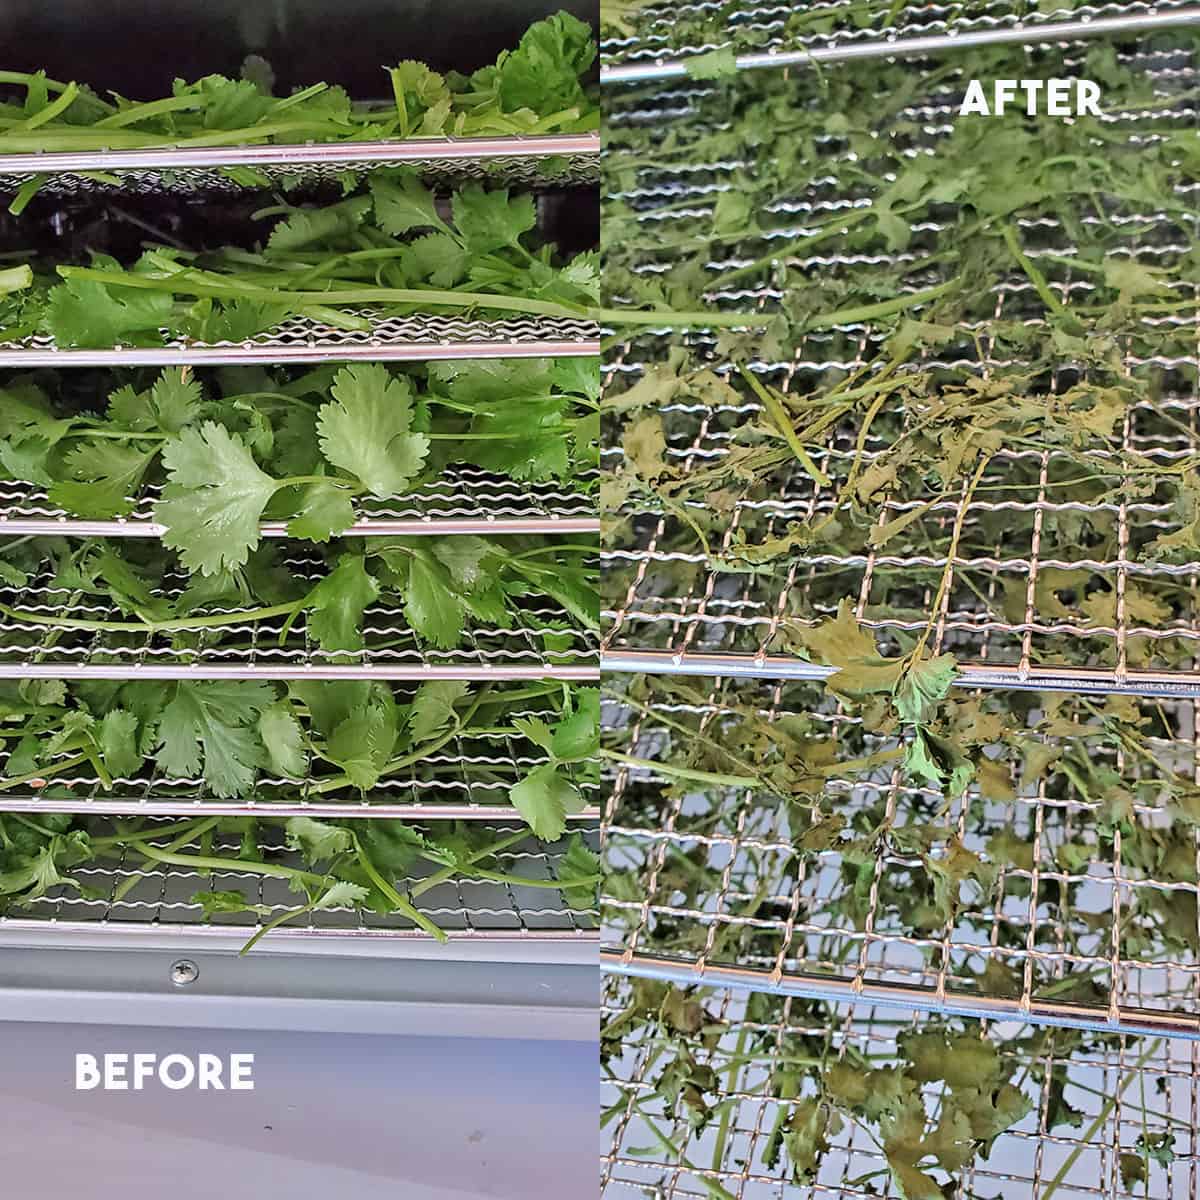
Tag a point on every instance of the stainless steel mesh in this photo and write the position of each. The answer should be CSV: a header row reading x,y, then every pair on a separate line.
x,y
1126,1092
541,161
468,778
540,644
131,894
301,340
464,500
763,33
1023,548
731,885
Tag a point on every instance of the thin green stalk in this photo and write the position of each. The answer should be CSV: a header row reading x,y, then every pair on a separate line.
x,y
185,283
411,911
734,781
1089,1138
215,621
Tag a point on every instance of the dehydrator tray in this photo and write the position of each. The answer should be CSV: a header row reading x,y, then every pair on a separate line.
x,y
1030,585
464,500
465,777
519,961
546,160
660,41
1112,1116
758,836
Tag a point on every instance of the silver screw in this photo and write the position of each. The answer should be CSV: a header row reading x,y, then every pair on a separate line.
x,y
184,972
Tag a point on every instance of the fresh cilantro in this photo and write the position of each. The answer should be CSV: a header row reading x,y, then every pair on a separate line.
x,y
366,430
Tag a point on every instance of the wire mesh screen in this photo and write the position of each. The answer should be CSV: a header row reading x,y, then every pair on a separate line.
x,y
1049,555
466,776
762,826
131,891
666,32
413,338
763,1102
568,161
464,499
539,641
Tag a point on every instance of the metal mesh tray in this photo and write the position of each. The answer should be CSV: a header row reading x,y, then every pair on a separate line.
x,y
652,1150
568,160
468,778
764,33
537,646
160,901
464,500
301,340
1018,537
714,884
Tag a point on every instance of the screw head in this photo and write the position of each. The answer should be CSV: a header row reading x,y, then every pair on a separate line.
x,y
184,972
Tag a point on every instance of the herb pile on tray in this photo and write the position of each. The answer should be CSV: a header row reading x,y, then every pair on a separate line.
x,y
243,445
537,87
960,340
720,1089
391,252
346,865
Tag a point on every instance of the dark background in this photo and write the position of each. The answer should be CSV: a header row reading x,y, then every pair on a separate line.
x,y
137,47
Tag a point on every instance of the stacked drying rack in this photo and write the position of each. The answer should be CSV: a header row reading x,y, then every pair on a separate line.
x,y
803,977
135,948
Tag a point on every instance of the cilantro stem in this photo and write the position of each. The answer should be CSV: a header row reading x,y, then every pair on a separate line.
x,y
447,873
733,781
783,423
401,904
669,319
521,881
43,772
1035,276
885,308
714,1189
190,826
951,556
25,79
185,283
203,862
731,1079
1089,1138
214,621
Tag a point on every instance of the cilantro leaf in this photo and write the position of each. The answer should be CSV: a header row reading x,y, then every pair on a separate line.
x,y
403,202
338,603
87,313
577,872
325,511
117,738
283,740
433,708
214,726
545,797
318,841
367,431
214,499
362,744
489,221
923,684
432,606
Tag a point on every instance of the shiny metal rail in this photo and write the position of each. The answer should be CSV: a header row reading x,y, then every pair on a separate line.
x,y
1174,685
343,154
1113,1019
907,47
